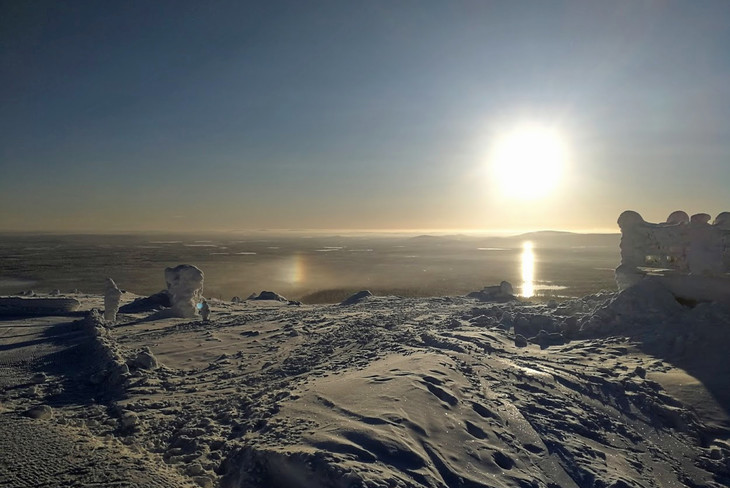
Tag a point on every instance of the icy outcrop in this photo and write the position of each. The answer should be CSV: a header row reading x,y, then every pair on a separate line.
x,y
684,249
185,287
112,297
497,293
269,295
145,359
147,304
650,299
357,297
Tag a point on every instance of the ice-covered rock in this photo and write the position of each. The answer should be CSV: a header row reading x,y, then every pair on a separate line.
x,y
40,412
129,421
546,339
148,304
506,320
356,297
38,378
648,302
497,293
185,287
269,295
530,325
145,360
112,297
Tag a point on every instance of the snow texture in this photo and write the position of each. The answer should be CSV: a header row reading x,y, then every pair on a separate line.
x,y
609,390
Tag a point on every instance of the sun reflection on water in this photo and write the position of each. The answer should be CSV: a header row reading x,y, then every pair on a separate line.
x,y
528,270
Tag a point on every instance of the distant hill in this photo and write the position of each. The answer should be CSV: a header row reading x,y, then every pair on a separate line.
x,y
542,238
554,238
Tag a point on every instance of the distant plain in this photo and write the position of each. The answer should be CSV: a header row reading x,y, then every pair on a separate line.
x,y
313,268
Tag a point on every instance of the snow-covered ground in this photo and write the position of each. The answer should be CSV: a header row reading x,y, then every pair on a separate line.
x,y
610,390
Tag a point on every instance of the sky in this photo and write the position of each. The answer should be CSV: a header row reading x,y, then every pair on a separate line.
x,y
198,116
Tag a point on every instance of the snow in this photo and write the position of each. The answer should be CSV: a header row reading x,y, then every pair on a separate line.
x,y
112,297
185,287
690,253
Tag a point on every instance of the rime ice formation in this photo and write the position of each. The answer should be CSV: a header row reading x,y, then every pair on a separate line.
x,y
185,287
690,253
112,297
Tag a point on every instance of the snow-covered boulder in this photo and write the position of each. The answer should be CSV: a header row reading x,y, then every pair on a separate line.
x,y
357,297
269,295
185,287
147,304
497,293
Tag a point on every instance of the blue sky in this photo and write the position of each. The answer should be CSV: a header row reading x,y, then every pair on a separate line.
x,y
355,115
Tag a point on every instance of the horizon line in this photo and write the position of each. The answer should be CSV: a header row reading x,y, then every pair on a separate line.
x,y
304,230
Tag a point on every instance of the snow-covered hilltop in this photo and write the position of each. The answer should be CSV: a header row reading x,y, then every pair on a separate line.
x,y
614,389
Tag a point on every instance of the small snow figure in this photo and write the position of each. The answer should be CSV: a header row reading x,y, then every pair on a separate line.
x,y
112,297
204,310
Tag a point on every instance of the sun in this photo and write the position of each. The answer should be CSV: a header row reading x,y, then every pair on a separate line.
x,y
528,163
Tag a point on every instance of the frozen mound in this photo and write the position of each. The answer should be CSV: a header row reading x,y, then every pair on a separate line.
x,y
648,303
148,304
648,298
357,297
110,365
270,295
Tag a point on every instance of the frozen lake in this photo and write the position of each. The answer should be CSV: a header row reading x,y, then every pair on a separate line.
x,y
314,267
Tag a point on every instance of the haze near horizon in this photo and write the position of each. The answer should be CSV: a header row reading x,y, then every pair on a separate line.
x,y
510,116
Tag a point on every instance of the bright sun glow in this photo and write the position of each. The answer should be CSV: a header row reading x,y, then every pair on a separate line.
x,y
528,163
